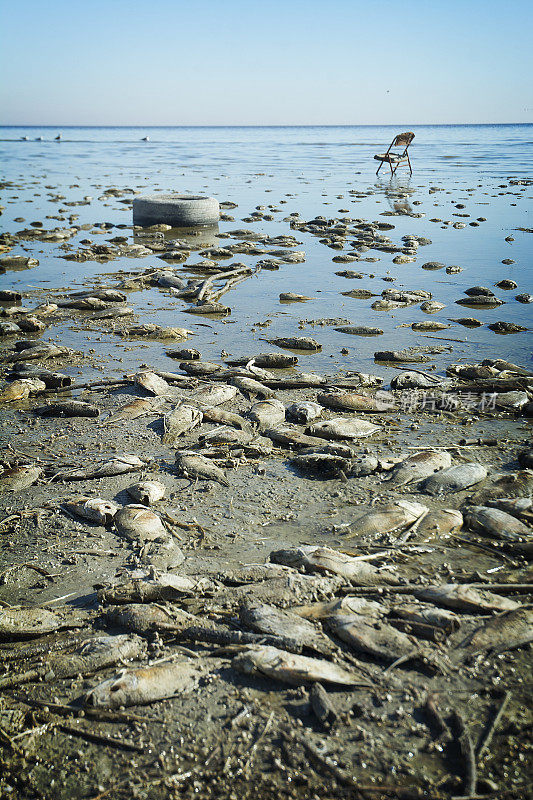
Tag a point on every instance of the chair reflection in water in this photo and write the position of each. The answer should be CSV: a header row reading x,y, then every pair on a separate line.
x,y
395,159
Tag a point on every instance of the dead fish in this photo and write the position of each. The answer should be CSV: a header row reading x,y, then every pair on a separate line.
x,y
519,507
400,356
406,295
303,380
167,279
465,597
512,401
378,520
193,466
429,325
31,324
8,295
115,466
154,587
182,419
84,304
342,428
137,408
21,389
43,351
147,618
94,509
359,330
297,343
185,354
419,466
109,295
209,307
495,522
363,465
219,415
414,380
139,524
226,435
378,639
25,623
503,632
68,408
265,618
468,322
91,656
427,614
324,559
18,478
506,327
343,605
157,332
9,328
147,492
440,522
213,395
266,360
351,401
304,411
322,463
45,309
251,387
480,300
454,479
292,297
330,448
199,367
290,436
113,313
387,305
152,383
516,484
291,668
267,414
431,307
506,366
132,687
52,380
479,291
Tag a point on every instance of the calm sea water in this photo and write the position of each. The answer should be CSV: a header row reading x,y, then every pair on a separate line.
x,y
309,170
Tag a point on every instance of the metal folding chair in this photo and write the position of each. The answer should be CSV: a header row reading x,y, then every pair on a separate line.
x,y
395,159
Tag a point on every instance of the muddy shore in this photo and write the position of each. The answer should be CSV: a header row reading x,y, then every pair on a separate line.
x,y
426,726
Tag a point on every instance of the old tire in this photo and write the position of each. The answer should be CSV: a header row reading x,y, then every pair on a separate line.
x,y
178,210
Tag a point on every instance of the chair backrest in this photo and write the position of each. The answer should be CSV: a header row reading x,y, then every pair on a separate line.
x,y
403,139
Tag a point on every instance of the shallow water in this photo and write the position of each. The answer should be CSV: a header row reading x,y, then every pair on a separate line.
x,y
309,170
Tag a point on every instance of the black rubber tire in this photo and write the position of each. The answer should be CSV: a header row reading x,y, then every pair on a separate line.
x,y
178,210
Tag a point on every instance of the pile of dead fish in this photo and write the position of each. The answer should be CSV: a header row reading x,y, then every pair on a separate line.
x,y
304,617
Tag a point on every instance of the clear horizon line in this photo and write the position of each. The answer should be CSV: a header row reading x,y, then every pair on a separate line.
x,y
269,125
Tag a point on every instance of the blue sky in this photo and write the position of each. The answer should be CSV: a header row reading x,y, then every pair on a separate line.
x,y
218,62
